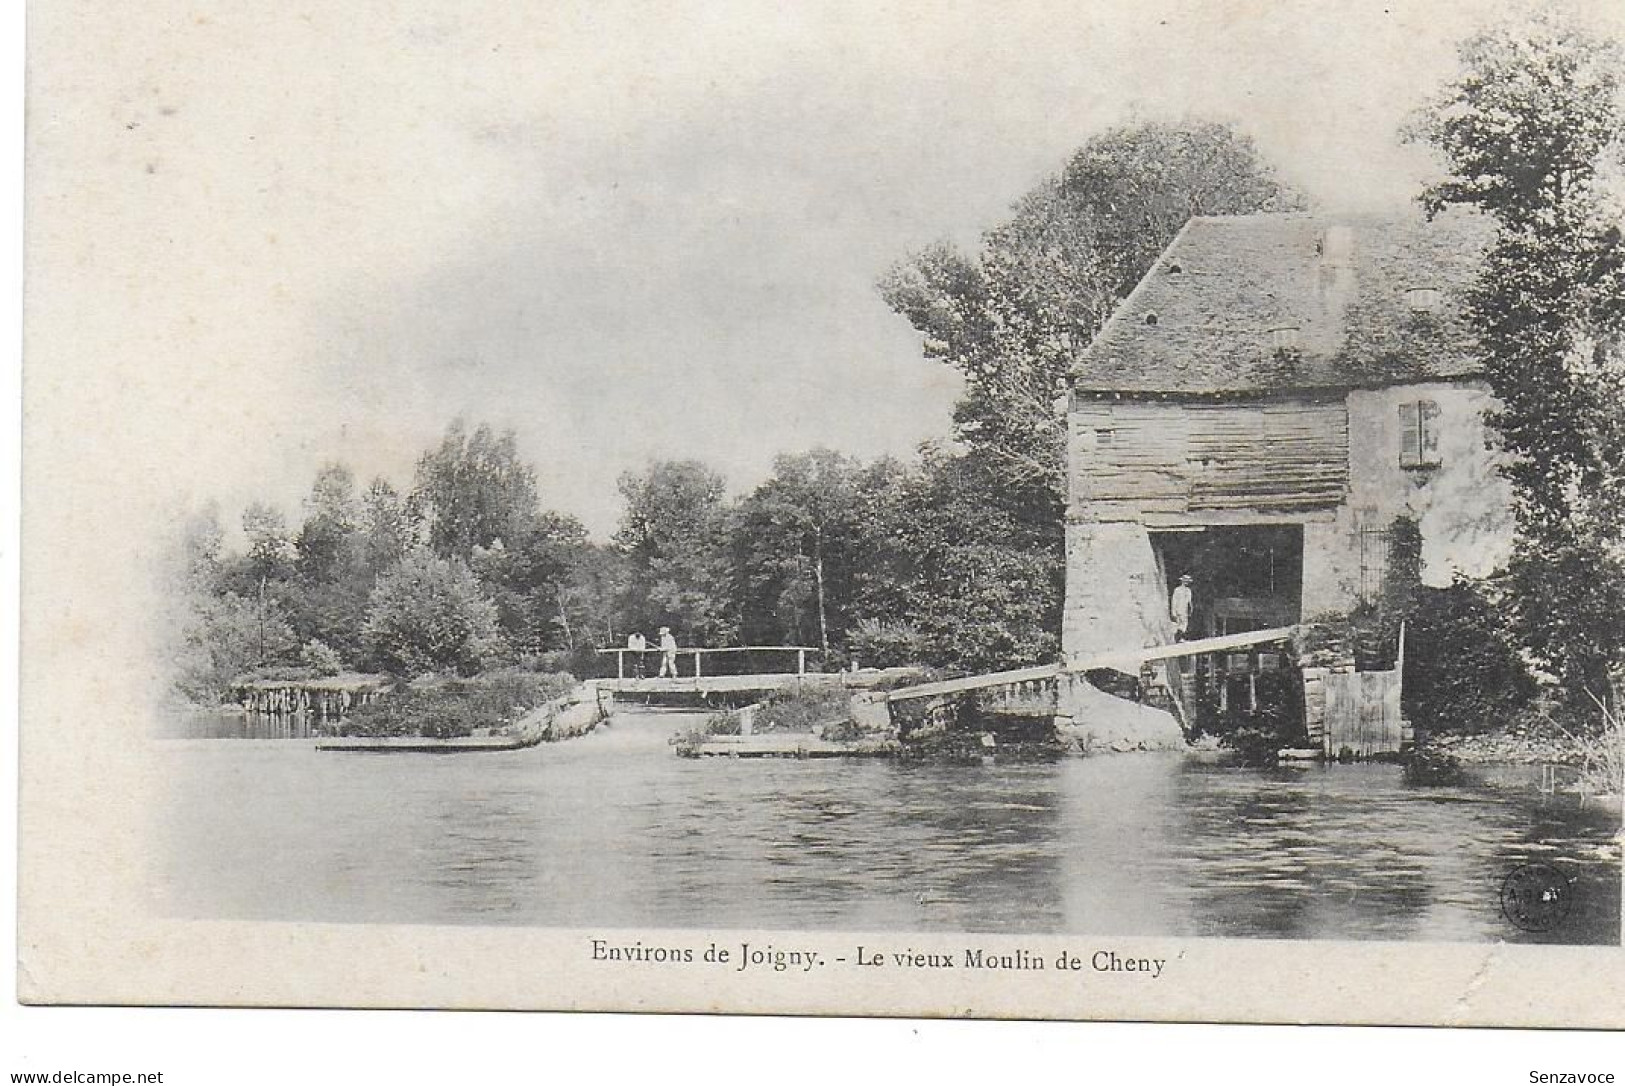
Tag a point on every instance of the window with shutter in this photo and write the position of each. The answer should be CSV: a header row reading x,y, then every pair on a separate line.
x,y
1427,413
1419,434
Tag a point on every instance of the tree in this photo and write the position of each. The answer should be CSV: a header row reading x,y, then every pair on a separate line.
x,y
797,535
1527,124
473,490
1529,131
271,550
388,527
202,550
1013,318
1137,187
987,607
263,579
526,576
951,578
674,532
216,635
590,597
430,615
227,637
1463,672
331,515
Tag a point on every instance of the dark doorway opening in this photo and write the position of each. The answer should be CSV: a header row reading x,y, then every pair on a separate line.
x,y
1244,577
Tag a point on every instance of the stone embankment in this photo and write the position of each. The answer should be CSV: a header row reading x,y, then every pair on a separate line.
x,y
1514,746
575,714
1092,721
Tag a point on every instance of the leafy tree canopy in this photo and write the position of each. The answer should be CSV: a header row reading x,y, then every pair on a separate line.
x,y
474,489
1530,134
331,514
1012,317
798,541
674,532
429,614
527,574
1528,123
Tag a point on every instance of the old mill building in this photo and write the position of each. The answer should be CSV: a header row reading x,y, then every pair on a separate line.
x,y
1275,393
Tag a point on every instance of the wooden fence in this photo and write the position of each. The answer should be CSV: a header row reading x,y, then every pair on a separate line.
x,y
1362,712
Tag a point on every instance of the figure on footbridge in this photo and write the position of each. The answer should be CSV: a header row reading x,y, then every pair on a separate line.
x,y
723,669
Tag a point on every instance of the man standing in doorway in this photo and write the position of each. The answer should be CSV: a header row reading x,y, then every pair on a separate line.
x,y
1179,608
668,653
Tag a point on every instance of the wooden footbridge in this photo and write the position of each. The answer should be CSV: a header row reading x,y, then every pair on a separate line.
x,y
1346,712
637,671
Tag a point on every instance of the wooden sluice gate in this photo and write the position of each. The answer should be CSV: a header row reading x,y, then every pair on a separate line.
x,y
1357,714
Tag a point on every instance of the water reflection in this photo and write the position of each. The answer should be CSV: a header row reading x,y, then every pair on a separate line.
x,y
613,830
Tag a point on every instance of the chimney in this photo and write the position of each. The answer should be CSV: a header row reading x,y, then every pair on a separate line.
x,y
1334,283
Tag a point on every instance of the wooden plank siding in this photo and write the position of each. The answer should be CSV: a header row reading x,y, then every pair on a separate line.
x,y
1146,458
1363,713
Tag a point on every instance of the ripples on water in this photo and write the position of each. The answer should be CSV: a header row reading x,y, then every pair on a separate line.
x,y
614,830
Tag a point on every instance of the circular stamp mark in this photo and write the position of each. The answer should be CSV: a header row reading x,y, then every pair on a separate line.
x,y
1536,897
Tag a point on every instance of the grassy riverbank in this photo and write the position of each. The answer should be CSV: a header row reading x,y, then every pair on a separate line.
x,y
456,708
1594,749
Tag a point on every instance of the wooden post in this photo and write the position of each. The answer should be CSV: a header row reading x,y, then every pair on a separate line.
x,y
801,661
697,662
620,664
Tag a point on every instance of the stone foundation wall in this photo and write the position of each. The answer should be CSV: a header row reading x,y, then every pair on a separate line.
x,y
1115,595
575,714
1092,721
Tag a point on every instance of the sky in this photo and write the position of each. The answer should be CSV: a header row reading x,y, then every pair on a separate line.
x,y
261,240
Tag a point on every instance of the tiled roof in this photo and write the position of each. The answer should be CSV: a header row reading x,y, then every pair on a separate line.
x,y
1229,291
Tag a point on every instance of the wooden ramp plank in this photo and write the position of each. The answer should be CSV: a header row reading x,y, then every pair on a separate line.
x,y
974,682
1135,657
1132,659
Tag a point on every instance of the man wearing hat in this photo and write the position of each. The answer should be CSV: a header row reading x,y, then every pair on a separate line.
x,y
1179,608
668,654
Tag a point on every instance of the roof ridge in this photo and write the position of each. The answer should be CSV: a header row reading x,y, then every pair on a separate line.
x,y
1409,215
1211,328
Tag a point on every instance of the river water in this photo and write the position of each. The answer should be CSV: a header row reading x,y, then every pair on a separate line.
x,y
614,830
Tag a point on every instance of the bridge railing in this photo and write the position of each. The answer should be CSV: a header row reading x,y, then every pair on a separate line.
x,y
699,655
